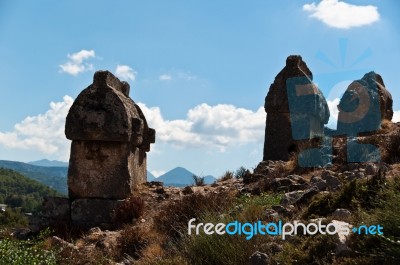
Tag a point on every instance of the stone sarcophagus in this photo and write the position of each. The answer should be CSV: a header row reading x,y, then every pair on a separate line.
x,y
110,138
296,110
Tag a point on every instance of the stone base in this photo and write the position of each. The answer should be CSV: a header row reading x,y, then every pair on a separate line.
x,y
93,211
84,213
56,208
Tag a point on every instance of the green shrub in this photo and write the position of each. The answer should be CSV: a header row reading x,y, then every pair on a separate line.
x,y
382,249
227,175
26,252
241,172
198,181
316,249
362,193
264,199
13,218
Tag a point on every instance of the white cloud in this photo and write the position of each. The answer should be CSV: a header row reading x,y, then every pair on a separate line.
x,y
177,75
157,173
165,77
396,116
43,133
212,127
217,126
76,64
339,14
125,72
186,76
334,111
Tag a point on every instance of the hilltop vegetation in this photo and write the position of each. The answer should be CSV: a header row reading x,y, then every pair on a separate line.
x,y
54,177
17,190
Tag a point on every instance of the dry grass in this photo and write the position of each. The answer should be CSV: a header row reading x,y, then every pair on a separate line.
x,y
387,127
67,231
68,256
176,215
132,208
132,242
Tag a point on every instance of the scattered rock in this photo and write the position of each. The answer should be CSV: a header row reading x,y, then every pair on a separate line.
x,y
274,247
359,175
250,178
154,183
283,211
21,233
341,214
306,196
370,169
352,166
160,190
94,230
342,248
271,215
259,258
332,182
298,179
294,187
291,197
319,183
60,243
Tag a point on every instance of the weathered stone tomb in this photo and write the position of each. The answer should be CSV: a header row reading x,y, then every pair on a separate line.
x,y
110,138
296,110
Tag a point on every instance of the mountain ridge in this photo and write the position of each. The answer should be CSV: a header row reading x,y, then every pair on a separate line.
x,y
50,173
54,177
48,163
180,176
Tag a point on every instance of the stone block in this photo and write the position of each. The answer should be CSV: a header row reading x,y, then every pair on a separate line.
x,y
56,208
94,210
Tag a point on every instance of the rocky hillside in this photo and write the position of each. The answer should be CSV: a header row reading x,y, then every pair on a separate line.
x,y
355,194
151,227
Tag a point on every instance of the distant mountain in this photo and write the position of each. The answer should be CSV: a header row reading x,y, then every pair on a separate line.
x,y
19,191
49,163
150,177
209,179
54,177
180,176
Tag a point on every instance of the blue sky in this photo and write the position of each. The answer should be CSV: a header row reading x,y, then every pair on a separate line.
x,y
199,69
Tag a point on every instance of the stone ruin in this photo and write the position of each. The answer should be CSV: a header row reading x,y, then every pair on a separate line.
x,y
297,112
364,105
110,138
284,111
